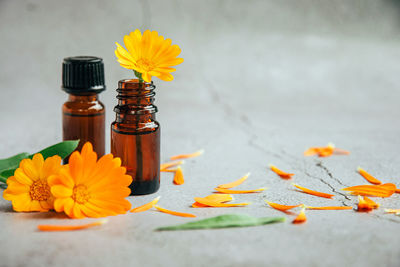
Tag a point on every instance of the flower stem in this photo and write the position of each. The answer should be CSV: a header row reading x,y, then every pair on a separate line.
x,y
139,76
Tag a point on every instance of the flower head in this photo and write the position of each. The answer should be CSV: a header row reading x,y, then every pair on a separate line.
x,y
149,54
28,188
90,188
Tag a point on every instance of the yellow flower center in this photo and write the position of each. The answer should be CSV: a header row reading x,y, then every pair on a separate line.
x,y
39,190
80,194
145,64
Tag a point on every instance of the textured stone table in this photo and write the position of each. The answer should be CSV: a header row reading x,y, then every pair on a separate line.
x,y
261,82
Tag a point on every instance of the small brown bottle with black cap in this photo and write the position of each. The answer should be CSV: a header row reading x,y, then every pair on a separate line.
x,y
83,115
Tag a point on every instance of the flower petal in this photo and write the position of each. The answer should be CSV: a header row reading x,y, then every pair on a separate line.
x,y
60,191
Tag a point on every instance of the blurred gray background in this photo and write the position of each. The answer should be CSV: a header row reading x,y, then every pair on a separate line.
x,y
261,81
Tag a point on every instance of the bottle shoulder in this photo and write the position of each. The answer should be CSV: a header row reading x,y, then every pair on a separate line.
x,y
139,128
80,107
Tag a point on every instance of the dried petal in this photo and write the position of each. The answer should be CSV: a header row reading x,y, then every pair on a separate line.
x,y
368,176
301,218
325,151
70,227
185,156
383,190
372,203
178,177
214,197
235,183
392,211
281,173
312,192
212,203
330,208
168,165
146,206
175,213
282,207
363,205
228,191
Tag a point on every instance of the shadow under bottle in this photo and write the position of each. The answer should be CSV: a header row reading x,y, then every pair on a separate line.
x,y
135,135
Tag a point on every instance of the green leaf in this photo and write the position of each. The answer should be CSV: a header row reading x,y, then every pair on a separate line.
x,y
62,149
7,173
12,162
224,221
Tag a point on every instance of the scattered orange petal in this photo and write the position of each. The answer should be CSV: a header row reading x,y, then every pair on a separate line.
x,y
235,183
363,205
330,208
47,227
301,218
168,165
146,206
181,214
312,192
372,203
178,177
339,151
281,173
212,203
282,207
320,151
368,176
392,211
228,191
186,156
383,190
214,197
327,151
397,190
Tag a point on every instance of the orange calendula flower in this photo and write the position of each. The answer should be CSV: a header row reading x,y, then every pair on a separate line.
x,y
149,54
383,190
312,192
327,151
282,207
368,176
281,173
146,206
301,218
53,228
235,183
28,189
90,188
186,156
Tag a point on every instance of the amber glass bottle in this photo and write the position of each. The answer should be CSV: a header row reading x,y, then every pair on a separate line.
x,y
135,135
83,114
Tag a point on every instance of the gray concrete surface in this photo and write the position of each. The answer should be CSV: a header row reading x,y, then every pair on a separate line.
x,y
261,82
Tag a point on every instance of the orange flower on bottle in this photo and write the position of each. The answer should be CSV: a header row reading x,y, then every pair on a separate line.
x,y
28,189
90,188
149,55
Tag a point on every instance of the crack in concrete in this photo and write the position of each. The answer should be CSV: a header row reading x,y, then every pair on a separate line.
x,y
385,218
328,172
330,186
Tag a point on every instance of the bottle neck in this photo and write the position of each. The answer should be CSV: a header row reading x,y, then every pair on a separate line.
x,y
135,101
90,97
